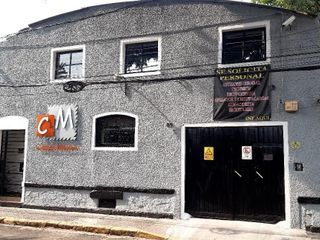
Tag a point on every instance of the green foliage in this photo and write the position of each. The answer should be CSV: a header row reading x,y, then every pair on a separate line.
x,y
310,6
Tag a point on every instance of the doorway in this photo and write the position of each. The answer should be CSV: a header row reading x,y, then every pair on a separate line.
x,y
233,183
11,164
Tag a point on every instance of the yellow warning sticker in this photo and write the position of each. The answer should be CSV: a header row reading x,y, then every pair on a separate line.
x,y
208,153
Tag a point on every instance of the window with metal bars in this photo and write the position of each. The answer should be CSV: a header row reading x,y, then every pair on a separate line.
x,y
69,64
244,46
115,131
141,57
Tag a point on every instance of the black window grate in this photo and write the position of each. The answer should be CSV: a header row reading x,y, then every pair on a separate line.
x,y
115,131
244,46
141,57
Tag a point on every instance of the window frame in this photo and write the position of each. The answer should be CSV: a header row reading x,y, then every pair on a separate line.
x,y
125,42
53,63
120,149
239,27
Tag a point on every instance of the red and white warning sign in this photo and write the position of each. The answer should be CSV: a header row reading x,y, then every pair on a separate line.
x,y
246,152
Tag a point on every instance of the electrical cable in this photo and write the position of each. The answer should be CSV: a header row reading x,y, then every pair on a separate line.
x,y
176,68
179,78
169,61
162,70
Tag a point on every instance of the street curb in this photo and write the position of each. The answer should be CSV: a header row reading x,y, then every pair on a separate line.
x,y
83,228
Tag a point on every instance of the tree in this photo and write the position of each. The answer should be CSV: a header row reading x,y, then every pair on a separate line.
x,y
310,6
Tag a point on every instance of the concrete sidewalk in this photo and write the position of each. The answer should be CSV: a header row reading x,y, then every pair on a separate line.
x,y
195,229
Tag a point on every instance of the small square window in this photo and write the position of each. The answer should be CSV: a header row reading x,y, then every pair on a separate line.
x,y
67,63
140,56
244,46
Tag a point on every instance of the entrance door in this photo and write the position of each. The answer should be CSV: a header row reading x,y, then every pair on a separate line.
x,y
11,162
235,185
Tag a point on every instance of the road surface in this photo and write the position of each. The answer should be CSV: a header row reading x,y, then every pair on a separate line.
x,y
8,232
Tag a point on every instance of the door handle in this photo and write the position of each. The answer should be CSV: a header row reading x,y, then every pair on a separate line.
x,y
259,174
236,172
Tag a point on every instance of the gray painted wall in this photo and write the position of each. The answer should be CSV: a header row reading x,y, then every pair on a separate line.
x,y
189,37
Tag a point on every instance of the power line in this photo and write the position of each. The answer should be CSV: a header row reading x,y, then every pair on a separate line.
x,y
191,77
179,78
162,70
181,67
270,57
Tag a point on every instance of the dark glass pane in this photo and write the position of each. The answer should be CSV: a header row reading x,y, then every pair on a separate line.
x,y
233,56
244,46
150,56
256,34
76,71
126,137
76,58
110,137
68,65
64,58
134,49
62,71
254,52
133,64
150,46
133,58
233,36
118,137
115,131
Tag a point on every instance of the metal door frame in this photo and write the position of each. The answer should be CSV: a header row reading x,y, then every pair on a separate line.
x,y
284,126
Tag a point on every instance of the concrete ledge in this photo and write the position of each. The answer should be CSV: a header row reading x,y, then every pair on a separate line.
x,y
83,228
106,188
313,229
103,211
309,200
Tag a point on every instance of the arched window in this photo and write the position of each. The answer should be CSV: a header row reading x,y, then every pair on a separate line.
x,y
115,131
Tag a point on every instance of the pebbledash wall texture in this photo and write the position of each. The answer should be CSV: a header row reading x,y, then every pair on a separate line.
x,y
148,180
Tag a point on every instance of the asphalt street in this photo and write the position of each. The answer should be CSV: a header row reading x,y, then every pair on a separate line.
x,y
29,233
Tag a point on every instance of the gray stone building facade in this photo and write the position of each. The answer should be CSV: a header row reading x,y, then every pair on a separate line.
x,y
147,70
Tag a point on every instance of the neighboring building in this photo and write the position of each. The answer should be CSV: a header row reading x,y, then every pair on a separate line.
x,y
202,107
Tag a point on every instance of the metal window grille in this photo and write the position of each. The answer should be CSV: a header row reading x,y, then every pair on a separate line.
x,y
141,57
244,46
115,131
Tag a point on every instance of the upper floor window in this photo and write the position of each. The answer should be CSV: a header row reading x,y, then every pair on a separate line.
x,y
244,46
115,131
140,56
67,63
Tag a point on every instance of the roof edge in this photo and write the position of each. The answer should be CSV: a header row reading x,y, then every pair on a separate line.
x,y
91,10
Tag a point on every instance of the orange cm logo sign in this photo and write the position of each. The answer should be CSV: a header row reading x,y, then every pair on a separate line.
x,y
45,125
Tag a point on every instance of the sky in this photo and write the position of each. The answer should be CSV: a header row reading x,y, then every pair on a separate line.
x,y
17,14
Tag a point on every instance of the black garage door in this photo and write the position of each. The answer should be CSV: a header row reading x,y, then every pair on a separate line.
x,y
245,179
